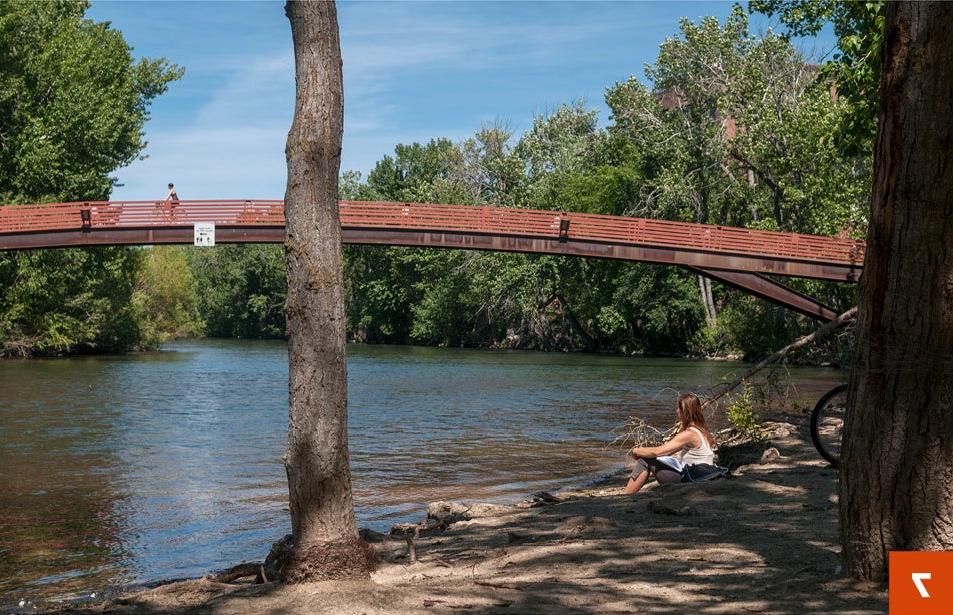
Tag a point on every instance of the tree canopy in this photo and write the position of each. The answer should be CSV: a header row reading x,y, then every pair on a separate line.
x,y
73,103
731,128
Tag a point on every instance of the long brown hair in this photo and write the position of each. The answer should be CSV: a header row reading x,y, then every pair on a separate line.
x,y
688,408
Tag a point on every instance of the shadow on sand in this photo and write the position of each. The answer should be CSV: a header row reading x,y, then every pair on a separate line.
x,y
763,542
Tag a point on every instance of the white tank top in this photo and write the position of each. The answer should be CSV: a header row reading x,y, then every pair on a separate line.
x,y
698,454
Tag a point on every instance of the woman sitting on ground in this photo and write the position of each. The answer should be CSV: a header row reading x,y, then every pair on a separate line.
x,y
691,445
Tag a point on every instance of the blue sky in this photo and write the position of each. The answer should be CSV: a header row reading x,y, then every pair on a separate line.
x,y
412,71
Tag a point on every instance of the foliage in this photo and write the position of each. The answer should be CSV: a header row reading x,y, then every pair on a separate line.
x,y
741,414
166,296
61,301
736,131
732,129
72,106
855,68
241,289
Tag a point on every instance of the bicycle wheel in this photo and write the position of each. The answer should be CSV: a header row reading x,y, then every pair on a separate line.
x,y
827,423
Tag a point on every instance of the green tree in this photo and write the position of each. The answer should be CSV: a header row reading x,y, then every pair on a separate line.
x,y
241,290
855,65
732,129
166,296
736,129
73,103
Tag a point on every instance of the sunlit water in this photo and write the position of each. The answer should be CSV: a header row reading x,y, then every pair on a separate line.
x,y
125,470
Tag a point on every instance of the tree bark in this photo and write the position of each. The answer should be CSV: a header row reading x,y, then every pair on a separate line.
x,y
325,539
897,468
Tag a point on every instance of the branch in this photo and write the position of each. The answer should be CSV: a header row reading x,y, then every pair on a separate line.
x,y
574,324
764,175
807,340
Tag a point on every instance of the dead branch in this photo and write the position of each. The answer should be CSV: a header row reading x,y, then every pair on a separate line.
x,y
636,432
497,585
799,343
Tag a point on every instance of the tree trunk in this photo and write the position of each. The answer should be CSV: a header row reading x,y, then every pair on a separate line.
x,y
325,540
897,477
708,300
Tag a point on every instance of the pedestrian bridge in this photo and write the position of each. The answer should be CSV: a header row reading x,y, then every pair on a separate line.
x,y
739,257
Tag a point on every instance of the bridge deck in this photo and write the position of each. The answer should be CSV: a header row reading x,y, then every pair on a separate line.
x,y
61,224
736,256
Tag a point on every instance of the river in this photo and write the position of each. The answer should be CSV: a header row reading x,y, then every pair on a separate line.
x,y
124,470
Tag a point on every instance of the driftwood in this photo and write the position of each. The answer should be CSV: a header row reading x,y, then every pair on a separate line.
x,y
797,344
248,569
410,532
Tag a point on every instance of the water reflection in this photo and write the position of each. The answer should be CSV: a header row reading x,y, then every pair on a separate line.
x,y
130,469
62,505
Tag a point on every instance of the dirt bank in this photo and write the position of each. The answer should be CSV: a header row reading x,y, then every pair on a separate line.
x,y
765,541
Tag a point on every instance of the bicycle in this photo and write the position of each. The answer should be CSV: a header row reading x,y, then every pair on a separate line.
x,y
827,423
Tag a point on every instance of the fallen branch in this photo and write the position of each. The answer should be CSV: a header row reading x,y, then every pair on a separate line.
x,y
807,340
497,585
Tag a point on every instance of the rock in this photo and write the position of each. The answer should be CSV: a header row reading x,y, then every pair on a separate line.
x,y
482,509
542,498
774,429
659,508
371,536
770,455
445,513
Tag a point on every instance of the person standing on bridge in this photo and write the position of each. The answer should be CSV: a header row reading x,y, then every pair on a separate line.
x,y
171,200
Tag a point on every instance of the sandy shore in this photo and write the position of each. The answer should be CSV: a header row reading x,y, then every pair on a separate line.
x,y
765,541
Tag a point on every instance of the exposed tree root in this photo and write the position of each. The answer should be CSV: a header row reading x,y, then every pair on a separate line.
x,y
325,561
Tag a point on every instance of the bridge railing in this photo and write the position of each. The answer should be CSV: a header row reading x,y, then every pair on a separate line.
x,y
396,216
34,218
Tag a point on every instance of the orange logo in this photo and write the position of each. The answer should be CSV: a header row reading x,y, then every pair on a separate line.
x,y
921,583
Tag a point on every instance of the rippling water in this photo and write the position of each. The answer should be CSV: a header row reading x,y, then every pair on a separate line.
x,y
131,469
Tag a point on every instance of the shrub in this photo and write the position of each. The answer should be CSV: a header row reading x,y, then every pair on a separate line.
x,y
741,413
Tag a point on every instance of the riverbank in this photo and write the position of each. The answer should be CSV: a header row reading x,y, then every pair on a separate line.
x,y
765,541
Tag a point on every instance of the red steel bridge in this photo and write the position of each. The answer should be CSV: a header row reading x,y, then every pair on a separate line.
x,y
740,257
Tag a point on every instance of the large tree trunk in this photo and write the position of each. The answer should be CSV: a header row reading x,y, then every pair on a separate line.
x,y
897,477
326,543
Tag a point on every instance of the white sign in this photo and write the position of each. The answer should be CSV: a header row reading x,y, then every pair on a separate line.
x,y
205,233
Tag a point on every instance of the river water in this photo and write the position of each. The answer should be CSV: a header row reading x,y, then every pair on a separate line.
x,y
131,469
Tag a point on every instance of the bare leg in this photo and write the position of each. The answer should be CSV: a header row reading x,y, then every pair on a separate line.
x,y
635,484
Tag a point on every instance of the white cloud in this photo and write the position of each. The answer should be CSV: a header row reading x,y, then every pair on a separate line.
x,y
233,146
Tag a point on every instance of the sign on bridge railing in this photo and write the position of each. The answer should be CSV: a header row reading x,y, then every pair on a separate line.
x,y
204,234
